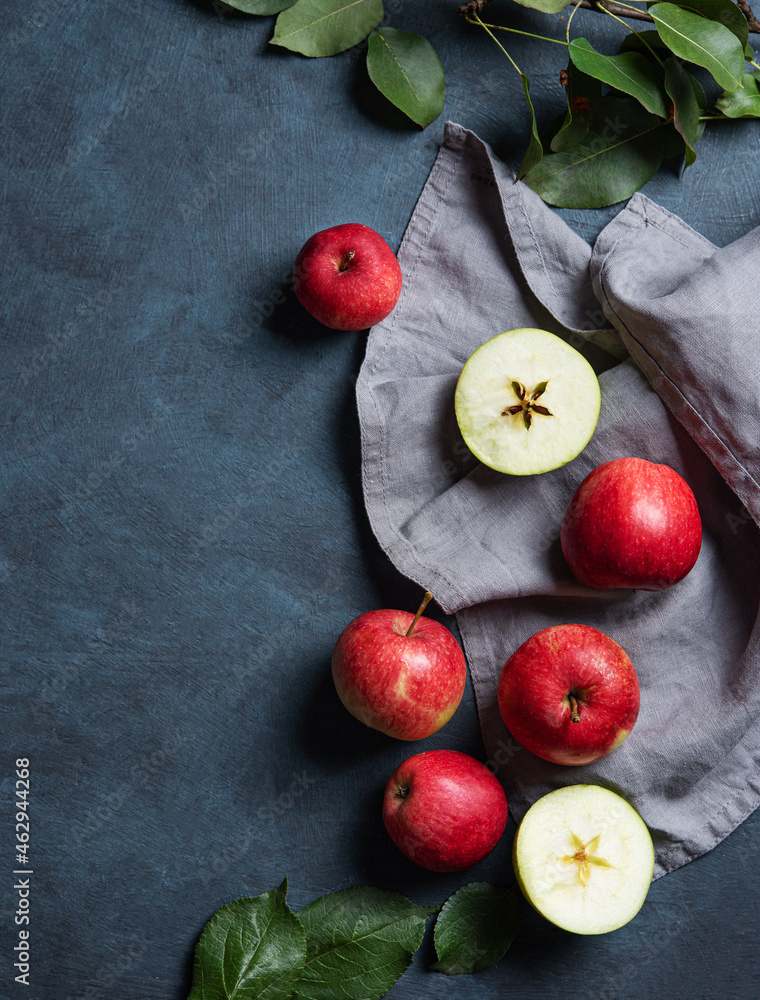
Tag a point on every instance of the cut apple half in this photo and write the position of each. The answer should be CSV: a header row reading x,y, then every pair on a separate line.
x,y
584,859
526,402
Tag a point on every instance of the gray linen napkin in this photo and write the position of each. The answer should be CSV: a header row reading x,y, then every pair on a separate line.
x,y
680,370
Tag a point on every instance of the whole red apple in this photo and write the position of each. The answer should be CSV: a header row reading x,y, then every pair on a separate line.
x,y
633,524
444,810
569,694
347,277
399,673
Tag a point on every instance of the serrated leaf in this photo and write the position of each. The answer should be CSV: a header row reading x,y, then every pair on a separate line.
x,y
628,72
359,942
406,69
325,27
744,102
725,12
546,6
697,40
685,106
621,152
251,948
535,151
260,6
475,928
583,96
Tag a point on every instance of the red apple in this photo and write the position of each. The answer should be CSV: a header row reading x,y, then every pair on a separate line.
x,y
569,694
399,673
347,277
634,524
444,810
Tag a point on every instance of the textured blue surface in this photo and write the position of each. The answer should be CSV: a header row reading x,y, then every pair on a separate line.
x,y
183,535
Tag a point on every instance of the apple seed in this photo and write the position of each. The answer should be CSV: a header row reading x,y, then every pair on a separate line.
x,y
527,405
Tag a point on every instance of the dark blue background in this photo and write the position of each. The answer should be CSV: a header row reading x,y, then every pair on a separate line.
x,y
183,535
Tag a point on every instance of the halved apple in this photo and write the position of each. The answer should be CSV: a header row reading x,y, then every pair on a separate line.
x,y
527,402
584,859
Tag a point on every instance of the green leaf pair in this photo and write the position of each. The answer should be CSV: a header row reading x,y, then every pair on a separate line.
x,y
402,65
352,944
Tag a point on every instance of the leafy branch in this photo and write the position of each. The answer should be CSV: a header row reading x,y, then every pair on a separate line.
x,y
628,112
625,112
602,6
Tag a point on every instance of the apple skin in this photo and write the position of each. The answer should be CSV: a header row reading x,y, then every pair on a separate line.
x,y
444,810
631,524
347,277
407,686
555,665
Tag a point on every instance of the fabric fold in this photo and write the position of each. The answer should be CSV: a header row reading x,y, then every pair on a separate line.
x,y
482,255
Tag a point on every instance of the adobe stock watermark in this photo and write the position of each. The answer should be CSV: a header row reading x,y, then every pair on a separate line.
x,y
118,110
266,816
142,774
739,521
669,930
104,468
87,310
55,684
107,976
243,499
506,750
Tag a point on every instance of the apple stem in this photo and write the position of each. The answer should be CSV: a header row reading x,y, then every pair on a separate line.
x,y
575,715
425,601
348,257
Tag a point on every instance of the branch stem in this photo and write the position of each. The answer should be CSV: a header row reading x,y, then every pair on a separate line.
x,y
624,10
514,31
603,7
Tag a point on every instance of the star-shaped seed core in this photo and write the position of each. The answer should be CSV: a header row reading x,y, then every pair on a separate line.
x,y
585,858
527,405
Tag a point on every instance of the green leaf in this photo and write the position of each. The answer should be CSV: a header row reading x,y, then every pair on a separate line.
x,y
621,152
628,72
546,6
535,151
405,68
749,52
324,27
725,12
744,102
583,96
673,145
252,947
700,41
260,6
359,942
685,106
644,42
475,928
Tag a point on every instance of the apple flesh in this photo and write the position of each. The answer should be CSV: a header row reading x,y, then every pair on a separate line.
x,y
569,694
405,683
347,277
631,523
526,402
444,810
584,859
